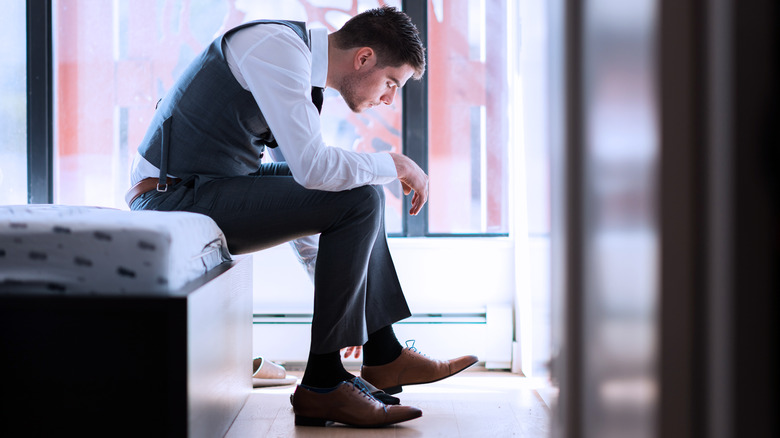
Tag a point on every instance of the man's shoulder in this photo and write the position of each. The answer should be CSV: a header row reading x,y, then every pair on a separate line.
x,y
273,36
273,27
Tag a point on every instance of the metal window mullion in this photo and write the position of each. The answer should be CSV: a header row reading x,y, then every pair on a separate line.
x,y
415,121
40,151
570,167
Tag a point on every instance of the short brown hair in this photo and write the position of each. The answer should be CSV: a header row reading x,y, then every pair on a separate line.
x,y
390,33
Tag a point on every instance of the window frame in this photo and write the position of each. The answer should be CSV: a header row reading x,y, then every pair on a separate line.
x,y
414,123
40,116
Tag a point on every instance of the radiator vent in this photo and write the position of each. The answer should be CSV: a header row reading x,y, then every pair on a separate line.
x,y
417,318
283,336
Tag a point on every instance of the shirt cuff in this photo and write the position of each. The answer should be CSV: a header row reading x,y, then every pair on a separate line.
x,y
384,168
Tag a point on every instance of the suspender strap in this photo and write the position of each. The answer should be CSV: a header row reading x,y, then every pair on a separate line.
x,y
317,97
162,184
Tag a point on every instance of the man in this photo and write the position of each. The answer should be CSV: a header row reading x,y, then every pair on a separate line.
x,y
261,85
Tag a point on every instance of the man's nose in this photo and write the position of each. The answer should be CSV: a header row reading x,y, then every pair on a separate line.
x,y
388,97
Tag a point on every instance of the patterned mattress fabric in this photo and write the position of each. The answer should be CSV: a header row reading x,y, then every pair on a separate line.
x,y
66,249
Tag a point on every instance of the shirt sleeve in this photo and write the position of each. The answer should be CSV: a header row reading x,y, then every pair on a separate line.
x,y
276,67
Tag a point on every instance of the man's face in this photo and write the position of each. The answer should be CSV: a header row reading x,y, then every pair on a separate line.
x,y
364,89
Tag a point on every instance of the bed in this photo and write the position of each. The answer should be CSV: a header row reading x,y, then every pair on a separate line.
x,y
104,251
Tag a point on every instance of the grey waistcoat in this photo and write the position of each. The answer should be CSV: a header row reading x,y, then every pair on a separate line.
x,y
213,126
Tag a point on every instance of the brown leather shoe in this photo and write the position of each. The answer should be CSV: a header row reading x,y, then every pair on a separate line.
x,y
376,393
413,368
348,403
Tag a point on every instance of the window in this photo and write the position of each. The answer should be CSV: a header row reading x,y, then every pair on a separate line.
x,y
467,117
114,60
13,106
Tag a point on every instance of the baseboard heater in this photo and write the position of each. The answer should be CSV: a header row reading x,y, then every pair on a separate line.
x,y
417,318
487,332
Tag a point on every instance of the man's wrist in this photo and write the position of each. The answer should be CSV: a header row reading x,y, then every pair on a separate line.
x,y
400,162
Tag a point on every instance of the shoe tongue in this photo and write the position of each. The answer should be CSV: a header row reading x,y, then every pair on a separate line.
x,y
360,385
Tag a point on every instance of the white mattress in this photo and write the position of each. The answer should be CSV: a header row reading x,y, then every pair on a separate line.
x,y
95,250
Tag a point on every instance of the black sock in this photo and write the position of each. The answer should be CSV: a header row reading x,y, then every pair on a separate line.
x,y
324,371
382,347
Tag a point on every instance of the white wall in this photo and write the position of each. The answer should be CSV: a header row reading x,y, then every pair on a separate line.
x,y
439,275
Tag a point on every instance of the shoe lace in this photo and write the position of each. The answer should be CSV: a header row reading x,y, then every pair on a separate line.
x,y
413,348
366,392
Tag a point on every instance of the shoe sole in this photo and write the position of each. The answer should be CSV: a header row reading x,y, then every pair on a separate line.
x,y
300,420
396,389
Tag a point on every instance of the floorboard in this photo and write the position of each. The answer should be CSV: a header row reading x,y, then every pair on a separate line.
x,y
475,403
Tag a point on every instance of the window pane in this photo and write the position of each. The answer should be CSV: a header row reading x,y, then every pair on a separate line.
x,y
114,60
468,121
13,106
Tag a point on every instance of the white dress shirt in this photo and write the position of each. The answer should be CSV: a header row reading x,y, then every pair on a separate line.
x,y
274,64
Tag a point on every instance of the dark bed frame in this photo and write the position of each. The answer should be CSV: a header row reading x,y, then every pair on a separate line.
x,y
141,366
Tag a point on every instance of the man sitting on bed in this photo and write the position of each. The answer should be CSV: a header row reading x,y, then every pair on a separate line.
x,y
261,85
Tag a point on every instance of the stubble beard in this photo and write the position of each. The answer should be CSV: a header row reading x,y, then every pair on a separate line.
x,y
348,91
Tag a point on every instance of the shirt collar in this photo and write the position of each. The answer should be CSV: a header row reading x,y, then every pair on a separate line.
x,y
318,38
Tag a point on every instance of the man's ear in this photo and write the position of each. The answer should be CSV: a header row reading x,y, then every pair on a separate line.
x,y
364,57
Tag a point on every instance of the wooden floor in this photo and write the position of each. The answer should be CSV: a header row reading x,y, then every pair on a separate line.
x,y
471,404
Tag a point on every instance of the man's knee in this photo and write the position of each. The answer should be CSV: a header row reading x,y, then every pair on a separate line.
x,y
370,197
368,201
381,192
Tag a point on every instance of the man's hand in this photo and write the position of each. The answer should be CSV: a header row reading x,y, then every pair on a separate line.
x,y
352,351
412,179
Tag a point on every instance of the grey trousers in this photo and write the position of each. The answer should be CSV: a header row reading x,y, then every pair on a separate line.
x,y
356,288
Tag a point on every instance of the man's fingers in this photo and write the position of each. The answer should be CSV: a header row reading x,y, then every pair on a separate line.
x,y
417,203
352,351
420,196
